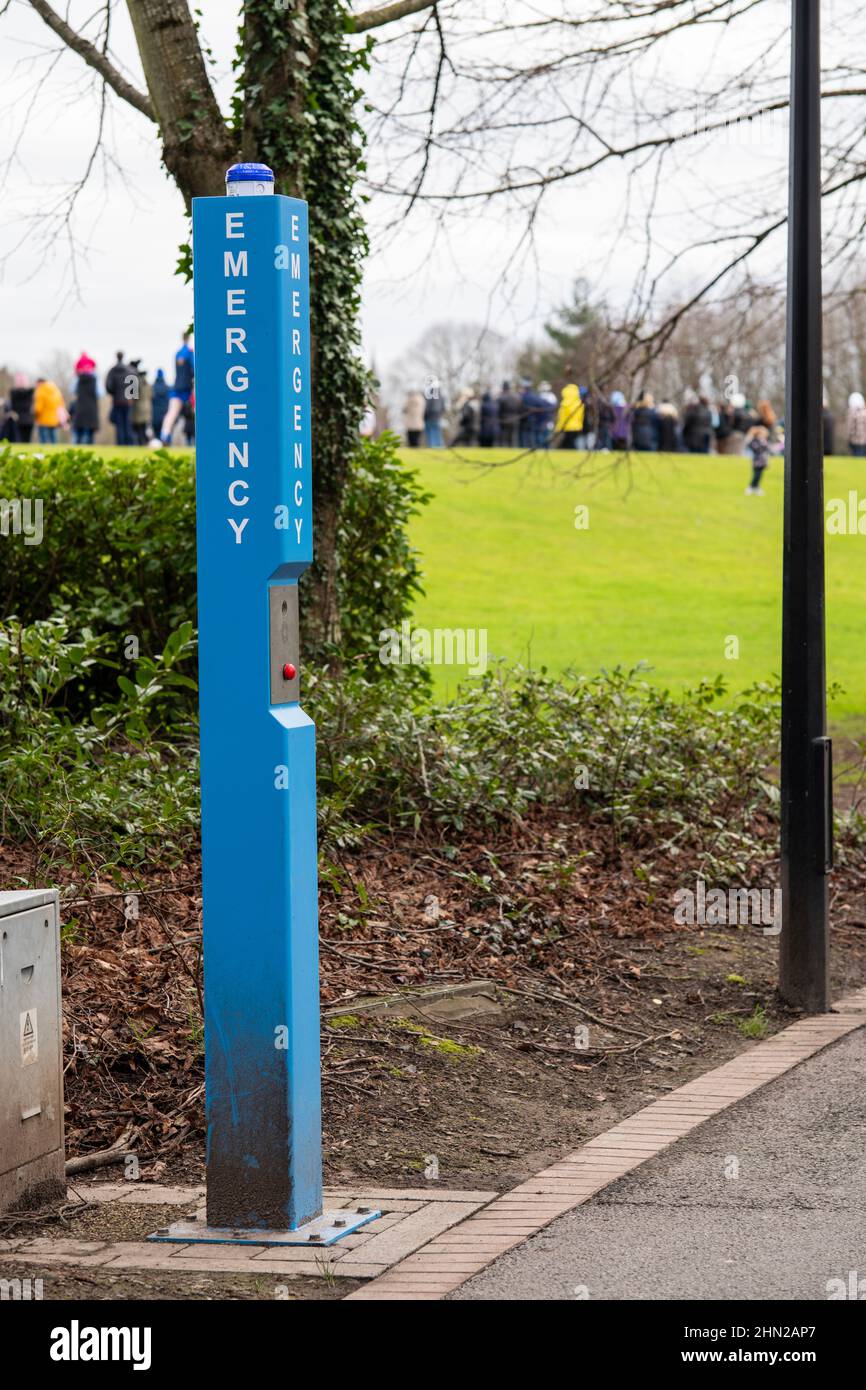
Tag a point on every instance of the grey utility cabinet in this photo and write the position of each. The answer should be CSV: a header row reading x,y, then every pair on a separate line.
x,y
31,1069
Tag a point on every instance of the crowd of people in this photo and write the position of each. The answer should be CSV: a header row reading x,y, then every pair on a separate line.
x,y
528,417
519,416
141,411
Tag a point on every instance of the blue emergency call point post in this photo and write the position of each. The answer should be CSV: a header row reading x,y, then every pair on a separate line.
x,y
258,757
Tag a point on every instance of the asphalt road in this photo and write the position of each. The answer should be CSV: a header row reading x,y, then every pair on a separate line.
x,y
767,1201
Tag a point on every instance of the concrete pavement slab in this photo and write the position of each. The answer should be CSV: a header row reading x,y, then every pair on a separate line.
x,y
765,1201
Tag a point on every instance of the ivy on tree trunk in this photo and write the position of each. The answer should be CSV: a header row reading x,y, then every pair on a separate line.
x,y
294,109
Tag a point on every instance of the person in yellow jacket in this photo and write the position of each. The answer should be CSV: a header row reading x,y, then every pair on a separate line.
x,y
570,417
49,411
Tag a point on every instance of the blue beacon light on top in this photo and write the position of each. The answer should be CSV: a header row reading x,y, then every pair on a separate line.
x,y
249,180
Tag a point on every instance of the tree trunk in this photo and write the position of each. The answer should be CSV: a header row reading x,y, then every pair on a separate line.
x,y
197,145
299,93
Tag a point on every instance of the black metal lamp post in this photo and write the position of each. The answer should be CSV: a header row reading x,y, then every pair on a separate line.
x,y
807,816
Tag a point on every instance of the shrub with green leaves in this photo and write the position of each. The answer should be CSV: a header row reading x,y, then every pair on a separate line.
x,y
116,790
683,775
686,773
118,559
117,556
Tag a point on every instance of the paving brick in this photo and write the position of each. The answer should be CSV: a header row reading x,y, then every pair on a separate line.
x,y
42,1245
504,1225
632,1138
529,1208
483,1248
101,1257
562,1182
675,1110
720,1090
464,1235
614,1154
390,1205
657,1129
782,1046
602,1168
421,1284
573,1169
309,1265
521,1232
370,1196
375,1294
567,1188
485,1221
617,1139
151,1195
289,1269
413,1230
143,1255
97,1192
423,1289
625,1148
694,1117
296,1254
592,1158
210,1254
518,1197
677,1104
358,1271
450,1264
231,1264
351,1242
541,1204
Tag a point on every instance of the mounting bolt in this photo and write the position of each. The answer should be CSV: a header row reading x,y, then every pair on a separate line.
x,y
314,1235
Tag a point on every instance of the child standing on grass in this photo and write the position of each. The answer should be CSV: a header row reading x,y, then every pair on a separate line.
x,y
757,442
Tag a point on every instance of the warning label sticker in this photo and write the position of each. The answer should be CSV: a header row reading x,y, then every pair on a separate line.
x,y
29,1038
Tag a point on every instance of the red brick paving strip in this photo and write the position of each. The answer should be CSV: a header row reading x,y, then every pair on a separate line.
x,y
456,1255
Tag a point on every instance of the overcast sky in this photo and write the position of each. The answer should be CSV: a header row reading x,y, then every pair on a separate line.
x,y
108,282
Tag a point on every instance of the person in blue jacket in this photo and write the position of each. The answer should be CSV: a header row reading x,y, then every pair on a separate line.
x,y
181,393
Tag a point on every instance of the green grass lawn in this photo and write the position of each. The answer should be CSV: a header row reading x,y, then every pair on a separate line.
x,y
675,561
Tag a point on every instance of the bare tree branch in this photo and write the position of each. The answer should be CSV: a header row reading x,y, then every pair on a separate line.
x,y
95,59
386,14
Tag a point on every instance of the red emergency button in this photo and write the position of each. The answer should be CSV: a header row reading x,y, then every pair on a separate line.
x,y
289,671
